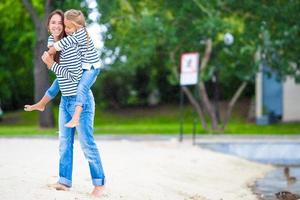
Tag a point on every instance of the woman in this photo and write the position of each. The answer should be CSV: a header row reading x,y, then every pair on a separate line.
x,y
68,72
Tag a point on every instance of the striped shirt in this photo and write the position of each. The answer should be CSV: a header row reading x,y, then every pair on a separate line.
x,y
50,41
89,55
69,70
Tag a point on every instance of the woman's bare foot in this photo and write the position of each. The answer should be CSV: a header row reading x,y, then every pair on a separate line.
x,y
72,123
98,191
36,106
59,186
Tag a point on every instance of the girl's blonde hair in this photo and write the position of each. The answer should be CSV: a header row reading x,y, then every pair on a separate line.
x,y
76,16
78,19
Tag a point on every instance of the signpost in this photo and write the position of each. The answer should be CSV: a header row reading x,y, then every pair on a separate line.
x,y
189,66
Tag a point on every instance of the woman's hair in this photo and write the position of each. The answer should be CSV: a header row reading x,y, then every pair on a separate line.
x,y
63,34
78,19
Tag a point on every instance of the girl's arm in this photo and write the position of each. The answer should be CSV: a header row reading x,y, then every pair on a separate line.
x,y
65,42
74,61
62,44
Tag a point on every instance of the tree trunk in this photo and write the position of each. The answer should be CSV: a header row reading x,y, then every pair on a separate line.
x,y
41,80
208,106
202,89
196,106
41,77
216,95
232,103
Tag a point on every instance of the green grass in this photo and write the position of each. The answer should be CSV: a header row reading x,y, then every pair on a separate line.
x,y
159,120
276,129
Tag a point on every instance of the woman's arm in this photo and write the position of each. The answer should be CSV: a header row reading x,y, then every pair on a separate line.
x,y
64,72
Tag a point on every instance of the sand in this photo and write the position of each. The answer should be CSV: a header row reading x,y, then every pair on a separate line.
x,y
135,170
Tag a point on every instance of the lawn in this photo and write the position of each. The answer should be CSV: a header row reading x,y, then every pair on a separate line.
x,y
156,120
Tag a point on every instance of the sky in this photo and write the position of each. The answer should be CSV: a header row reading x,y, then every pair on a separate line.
x,y
95,29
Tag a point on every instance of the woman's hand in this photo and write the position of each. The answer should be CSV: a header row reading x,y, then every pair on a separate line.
x,y
52,50
47,59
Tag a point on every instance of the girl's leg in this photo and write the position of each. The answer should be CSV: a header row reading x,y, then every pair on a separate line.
x,y
75,119
89,147
87,80
49,95
40,106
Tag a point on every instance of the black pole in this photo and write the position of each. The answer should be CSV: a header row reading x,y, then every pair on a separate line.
x,y
195,120
194,131
181,114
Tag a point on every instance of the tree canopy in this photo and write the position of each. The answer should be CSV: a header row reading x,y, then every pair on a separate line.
x,y
153,34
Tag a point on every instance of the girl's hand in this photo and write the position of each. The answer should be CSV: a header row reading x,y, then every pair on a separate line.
x,y
47,59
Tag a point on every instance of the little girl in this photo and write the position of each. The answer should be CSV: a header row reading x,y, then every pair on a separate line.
x,y
75,28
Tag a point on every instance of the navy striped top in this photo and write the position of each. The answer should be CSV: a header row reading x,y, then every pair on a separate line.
x,y
50,41
89,54
69,70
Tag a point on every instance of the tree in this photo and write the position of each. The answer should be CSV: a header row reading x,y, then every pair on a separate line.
x,y
41,78
16,35
153,34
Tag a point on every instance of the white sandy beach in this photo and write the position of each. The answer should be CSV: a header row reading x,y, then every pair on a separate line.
x,y
135,170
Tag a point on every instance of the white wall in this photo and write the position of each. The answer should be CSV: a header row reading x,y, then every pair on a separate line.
x,y
291,101
258,95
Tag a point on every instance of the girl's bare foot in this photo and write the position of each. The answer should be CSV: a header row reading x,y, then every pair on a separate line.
x,y
98,191
59,186
36,106
75,118
72,123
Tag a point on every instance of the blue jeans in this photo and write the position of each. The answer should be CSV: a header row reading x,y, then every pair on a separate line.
x,y
85,137
87,80
53,89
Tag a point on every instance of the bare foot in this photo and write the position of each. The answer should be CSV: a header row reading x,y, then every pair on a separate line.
x,y
98,191
59,186
36,106
72,124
